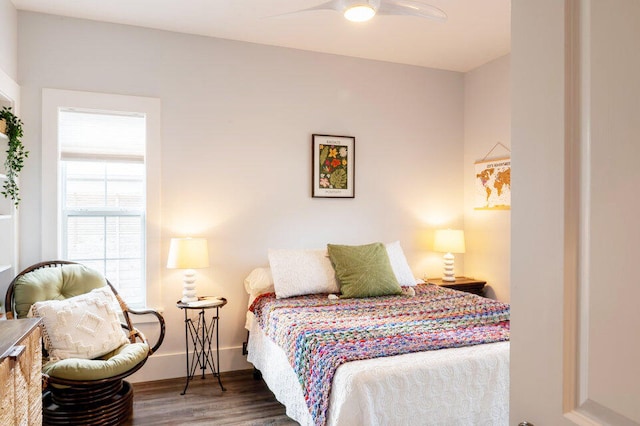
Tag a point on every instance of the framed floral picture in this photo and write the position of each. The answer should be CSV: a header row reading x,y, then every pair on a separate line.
x,y
333,166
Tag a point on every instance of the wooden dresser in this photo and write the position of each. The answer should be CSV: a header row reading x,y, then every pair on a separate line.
x,y
20,372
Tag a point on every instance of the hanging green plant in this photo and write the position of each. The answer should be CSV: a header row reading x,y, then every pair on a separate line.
x,y
16,154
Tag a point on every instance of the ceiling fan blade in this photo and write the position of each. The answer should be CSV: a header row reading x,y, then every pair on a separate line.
x,y
412,8
330,5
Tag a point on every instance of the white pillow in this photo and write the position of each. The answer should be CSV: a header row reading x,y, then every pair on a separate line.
x,y
85,326
259,281
399,264
299,272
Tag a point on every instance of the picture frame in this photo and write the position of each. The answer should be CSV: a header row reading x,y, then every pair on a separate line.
x,y
333,166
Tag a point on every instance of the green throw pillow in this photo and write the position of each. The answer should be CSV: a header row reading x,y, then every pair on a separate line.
x,y
363,271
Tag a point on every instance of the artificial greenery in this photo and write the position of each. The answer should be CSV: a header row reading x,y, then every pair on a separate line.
x,y
16,154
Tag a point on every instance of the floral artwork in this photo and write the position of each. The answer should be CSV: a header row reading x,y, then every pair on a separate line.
x,y
333,166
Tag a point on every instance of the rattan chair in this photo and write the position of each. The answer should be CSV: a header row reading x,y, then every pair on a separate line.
x,y
105,401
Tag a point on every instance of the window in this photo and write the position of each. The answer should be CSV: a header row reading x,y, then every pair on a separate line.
x,y
103,196
100,161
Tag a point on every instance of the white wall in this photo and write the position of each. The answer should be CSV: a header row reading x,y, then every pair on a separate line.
x,y
487,120
9,39
237,124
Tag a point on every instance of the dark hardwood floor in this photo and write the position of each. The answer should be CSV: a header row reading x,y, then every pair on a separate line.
x,y
245,402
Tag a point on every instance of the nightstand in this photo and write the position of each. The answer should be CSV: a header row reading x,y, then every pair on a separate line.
x,y
469,285
200,333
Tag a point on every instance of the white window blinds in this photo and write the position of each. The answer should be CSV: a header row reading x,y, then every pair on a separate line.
x,y
92,135
103,196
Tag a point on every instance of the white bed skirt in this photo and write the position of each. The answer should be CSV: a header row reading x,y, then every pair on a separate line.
x,y
460,386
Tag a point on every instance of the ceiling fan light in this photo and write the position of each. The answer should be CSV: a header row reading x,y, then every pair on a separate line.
x,y
359,13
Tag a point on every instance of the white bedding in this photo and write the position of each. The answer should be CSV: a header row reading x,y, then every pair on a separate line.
x,y
460,386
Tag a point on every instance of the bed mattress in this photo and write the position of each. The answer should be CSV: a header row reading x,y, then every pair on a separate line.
x,y
457,386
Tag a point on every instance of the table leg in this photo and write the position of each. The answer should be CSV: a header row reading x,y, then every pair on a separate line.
x,y
186,342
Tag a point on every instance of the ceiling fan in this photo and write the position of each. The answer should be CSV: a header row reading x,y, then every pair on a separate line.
x,y
363,10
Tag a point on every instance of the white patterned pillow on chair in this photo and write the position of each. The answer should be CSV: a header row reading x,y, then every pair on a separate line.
x,y
85,326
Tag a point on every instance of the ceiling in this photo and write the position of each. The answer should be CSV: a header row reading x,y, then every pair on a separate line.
x,y
476,32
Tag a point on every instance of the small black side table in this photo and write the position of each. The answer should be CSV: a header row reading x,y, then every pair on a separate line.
x,y
201,333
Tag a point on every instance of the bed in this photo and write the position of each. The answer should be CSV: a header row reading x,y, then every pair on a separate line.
x,y
425,355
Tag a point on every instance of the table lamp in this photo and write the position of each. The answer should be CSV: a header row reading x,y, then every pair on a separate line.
x,y
449,241
188,254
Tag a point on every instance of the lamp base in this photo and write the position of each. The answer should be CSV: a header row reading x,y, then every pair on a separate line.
x,y
448,274
189,286
186,299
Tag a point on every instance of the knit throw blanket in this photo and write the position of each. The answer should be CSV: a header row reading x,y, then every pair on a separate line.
x,y
318,334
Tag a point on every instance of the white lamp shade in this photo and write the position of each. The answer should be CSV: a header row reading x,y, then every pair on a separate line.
x,y
449,241
188,253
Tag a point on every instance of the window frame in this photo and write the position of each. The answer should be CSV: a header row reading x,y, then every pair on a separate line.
x,y
53,100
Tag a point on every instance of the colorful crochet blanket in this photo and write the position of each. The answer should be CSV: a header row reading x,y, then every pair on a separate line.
x,y
318,334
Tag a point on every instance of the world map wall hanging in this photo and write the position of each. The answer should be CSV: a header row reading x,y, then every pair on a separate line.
x,y
493,184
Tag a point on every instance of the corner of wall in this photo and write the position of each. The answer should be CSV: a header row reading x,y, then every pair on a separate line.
x,y
487,120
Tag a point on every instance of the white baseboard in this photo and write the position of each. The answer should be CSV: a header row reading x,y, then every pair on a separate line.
x,y
168,366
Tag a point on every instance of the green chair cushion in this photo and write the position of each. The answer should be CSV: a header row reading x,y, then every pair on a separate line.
x,y
56,283
112,364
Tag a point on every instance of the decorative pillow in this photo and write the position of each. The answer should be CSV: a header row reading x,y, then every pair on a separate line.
x,y
363,271
85,326
299,272
399,264
259,281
